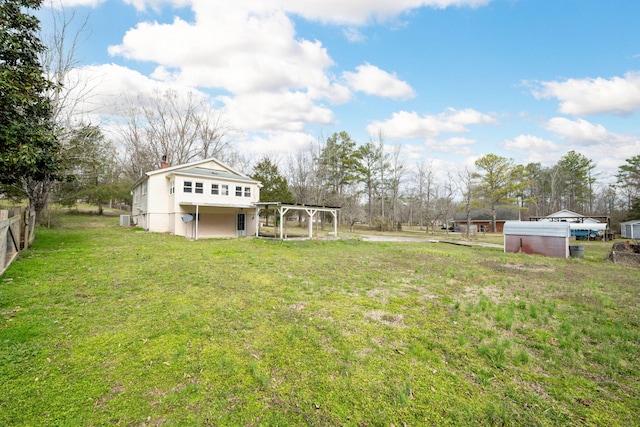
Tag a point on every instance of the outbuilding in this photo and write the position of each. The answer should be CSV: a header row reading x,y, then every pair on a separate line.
x,y
630,229
537,237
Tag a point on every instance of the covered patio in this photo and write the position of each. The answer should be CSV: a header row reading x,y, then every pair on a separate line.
x,y
310,210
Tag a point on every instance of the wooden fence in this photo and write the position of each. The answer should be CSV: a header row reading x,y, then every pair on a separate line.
x,y
16,234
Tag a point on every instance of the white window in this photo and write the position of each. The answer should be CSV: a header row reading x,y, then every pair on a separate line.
x,y
172,187
188,187
144,187
199,188
225,190
247,191
238,191
215,189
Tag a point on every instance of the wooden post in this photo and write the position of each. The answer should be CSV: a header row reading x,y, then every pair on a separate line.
x,y
26,229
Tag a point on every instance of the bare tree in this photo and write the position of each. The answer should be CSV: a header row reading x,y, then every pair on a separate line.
x,y
425,187
179,128
59,61
300,174
351,210
467,186
369,172
380,177
396,172
445,205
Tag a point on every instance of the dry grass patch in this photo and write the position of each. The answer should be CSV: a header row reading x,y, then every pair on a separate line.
x,y
386,318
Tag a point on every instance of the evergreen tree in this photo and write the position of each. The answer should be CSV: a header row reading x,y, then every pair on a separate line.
x,y
576,170
274,185
629,179
496,183
90,160
634,212
340,161
28,147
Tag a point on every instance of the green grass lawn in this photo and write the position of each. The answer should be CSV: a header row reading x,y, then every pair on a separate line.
x,y
102,325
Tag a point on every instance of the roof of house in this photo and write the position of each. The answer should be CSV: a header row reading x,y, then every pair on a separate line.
x,y
199,168
565,215
213,173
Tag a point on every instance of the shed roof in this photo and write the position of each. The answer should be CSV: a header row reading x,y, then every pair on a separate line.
x,y
537,228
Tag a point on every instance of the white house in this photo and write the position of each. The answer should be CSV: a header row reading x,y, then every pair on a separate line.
x,y
196,200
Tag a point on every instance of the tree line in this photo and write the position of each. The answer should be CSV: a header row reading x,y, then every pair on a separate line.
x,y
375,185
48,154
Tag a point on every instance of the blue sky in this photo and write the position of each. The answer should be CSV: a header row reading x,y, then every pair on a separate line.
x,y
446,80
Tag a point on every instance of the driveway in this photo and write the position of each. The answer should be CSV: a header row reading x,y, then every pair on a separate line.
x,y
378,238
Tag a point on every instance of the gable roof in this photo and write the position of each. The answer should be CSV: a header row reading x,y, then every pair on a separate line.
x,y
213,173
201,164
199,168
565,213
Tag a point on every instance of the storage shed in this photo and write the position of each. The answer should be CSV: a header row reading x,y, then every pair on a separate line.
x,y
630,229
537,237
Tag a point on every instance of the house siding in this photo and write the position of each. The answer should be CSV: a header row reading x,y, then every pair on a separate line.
x,y
157,208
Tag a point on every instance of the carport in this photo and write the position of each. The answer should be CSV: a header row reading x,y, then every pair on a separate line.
x,y
311,211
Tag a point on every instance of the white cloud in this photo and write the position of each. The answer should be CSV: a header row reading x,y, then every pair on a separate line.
x,y
582,132
275,112
531,143
141,5
608,150
353,35
352,12
269,79
237,51
456,146
405,124
619,95
105,93
359,12
374,81
275,143
534,149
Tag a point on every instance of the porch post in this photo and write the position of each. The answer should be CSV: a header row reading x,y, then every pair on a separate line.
x,y
311,213
257,218
335,222
197,221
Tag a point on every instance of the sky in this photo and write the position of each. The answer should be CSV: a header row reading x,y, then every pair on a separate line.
x,y
446,81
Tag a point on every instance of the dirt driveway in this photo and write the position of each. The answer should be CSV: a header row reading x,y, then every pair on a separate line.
x,y
377,238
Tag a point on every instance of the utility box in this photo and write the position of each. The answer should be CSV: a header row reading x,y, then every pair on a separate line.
x,y
537,237
125,220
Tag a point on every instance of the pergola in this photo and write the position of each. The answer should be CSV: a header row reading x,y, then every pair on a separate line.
x,y
311,211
